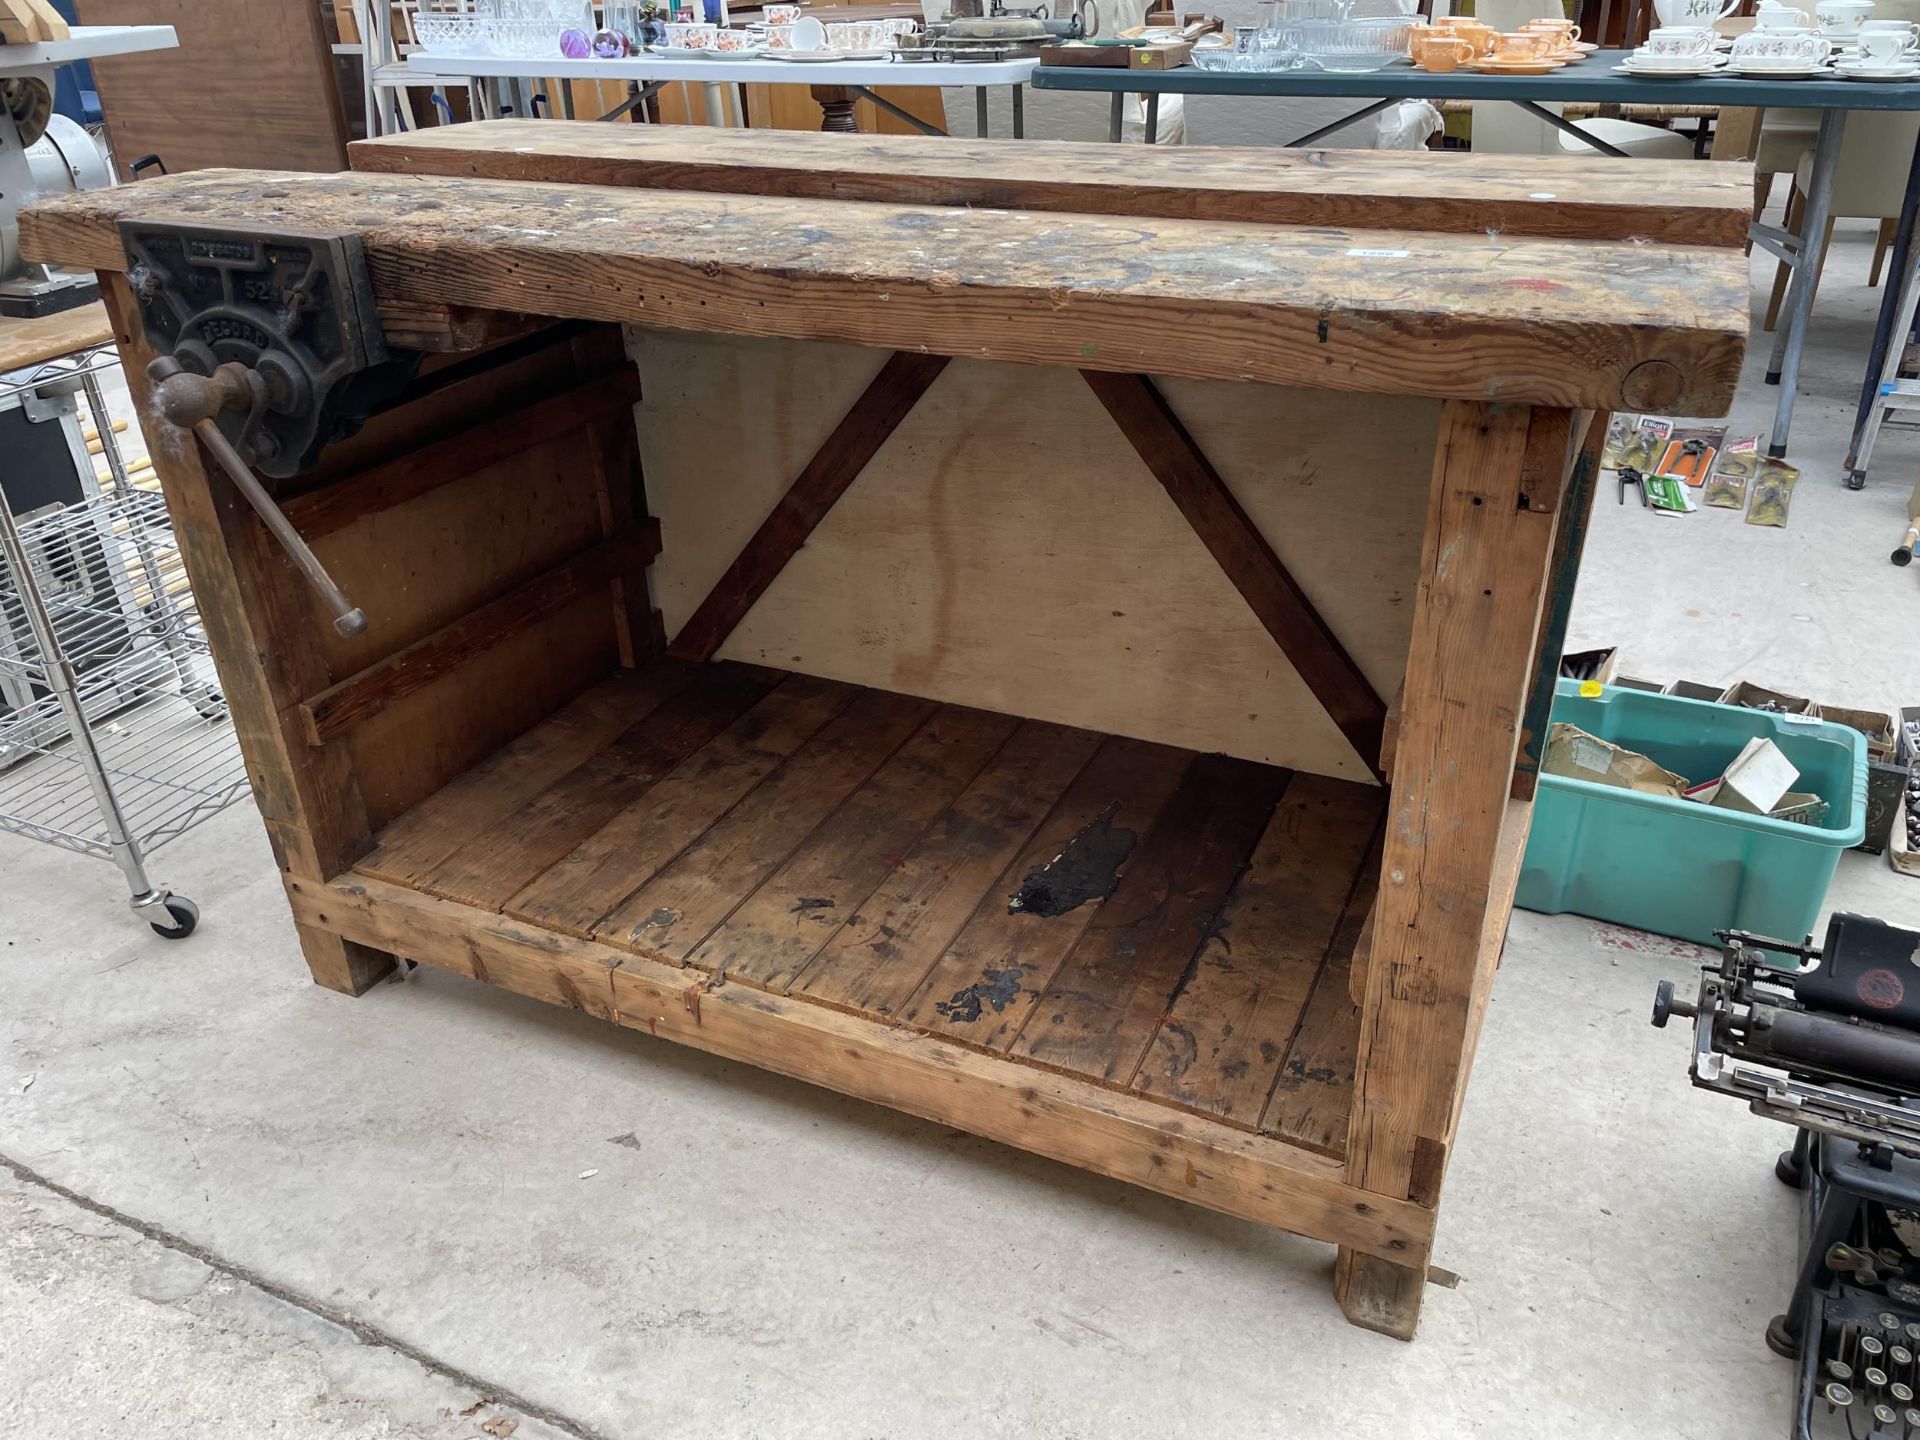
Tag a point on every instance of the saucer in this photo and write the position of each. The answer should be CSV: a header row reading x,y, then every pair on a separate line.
x,y
1516,67
1854,70
1685,70
1777,72
821,56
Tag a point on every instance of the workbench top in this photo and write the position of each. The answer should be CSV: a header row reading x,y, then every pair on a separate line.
x,y
1381,302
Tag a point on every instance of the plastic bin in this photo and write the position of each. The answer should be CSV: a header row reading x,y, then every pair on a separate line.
x,y
1677,867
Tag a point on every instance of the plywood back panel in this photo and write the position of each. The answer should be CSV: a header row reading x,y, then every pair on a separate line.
x,y
252,83
1007,549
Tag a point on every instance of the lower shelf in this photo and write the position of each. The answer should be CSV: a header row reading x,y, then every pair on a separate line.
x,y
1127,956
1139,916
1146,918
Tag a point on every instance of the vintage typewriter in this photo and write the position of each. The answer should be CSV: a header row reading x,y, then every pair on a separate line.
x,y
1828,1040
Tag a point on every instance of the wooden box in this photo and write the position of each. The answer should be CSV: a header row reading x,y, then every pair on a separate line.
x,y
1052,639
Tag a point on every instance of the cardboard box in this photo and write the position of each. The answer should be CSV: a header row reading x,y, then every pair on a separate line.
x,y
1899,854
1634,682
1590,664
1878,726
1696,690
1756,782
1574,753
1758,697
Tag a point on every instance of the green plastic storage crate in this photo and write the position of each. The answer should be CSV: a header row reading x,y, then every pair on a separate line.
x,y
1680,868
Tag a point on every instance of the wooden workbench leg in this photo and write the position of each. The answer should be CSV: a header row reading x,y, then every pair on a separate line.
x,y
1489,542
262,627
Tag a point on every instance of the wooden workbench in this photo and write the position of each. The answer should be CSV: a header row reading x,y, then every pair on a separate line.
x,y
982,706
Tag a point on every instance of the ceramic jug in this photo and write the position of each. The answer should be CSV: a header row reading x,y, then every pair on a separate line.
x,y
1692,12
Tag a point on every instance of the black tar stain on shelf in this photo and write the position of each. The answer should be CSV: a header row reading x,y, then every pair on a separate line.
x,y
996,988
1087,869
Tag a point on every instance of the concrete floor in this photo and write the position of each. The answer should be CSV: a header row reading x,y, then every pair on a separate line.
x,y
232,1204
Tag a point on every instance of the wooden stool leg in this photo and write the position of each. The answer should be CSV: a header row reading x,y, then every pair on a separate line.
x,y
1783,270
836,104
1882,242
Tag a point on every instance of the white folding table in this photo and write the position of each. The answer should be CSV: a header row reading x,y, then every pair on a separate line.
x,y
847,80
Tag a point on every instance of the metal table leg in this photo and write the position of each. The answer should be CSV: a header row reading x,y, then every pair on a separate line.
x,y
1899,266
1153,117
1019,112
1792,337
980,111
1325,130
1888,390
716,105
1116,116
924,127
1567,127
637,96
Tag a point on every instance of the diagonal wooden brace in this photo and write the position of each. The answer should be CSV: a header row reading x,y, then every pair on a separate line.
x,y
1163,443
854,441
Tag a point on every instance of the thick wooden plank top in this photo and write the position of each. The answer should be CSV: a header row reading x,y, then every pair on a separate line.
x,y
1583,323
1681,202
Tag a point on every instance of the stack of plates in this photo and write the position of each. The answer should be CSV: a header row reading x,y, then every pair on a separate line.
x,y
1645,67
1852,68
1756,70
1541,66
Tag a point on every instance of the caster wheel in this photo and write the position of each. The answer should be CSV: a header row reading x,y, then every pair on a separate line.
x,y
1856,479
1779,1341
1787,1172
186,915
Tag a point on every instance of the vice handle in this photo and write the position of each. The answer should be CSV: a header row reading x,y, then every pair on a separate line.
x,y
190,402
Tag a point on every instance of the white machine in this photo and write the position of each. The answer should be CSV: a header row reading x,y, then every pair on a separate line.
x,y
42,153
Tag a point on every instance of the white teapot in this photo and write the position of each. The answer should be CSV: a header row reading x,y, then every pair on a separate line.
x,y
1692,12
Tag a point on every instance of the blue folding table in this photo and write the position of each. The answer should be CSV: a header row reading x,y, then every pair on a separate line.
x,y
1592,81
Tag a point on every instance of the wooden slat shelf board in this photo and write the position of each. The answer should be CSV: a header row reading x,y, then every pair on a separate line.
x,y
1677,202
1597,323
1135,916
1111,1132
48,337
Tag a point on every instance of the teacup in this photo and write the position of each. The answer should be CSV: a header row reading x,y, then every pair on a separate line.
x,y
1561,33
691,37
779,14
1886,47
1842,19
1781,49
1522,45
856,35
1476,32
730,41
1678,42
1435,48
1772,16
1905,29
